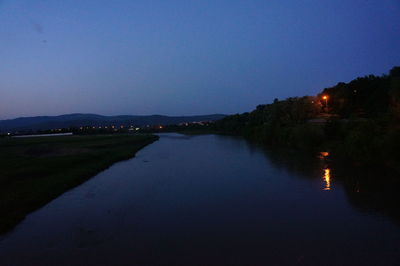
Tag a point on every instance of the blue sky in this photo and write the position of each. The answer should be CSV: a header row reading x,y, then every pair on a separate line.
x,y
185,57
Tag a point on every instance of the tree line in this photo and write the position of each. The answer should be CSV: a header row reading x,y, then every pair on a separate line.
x,y
357,121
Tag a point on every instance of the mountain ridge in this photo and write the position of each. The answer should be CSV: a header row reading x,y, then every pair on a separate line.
x,y
82,119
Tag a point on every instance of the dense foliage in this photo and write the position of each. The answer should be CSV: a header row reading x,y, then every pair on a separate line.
x,y
358,120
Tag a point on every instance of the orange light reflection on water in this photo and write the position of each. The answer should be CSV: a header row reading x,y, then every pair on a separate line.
x,y
323,154
327,178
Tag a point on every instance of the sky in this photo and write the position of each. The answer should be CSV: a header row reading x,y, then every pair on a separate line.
x,y
185,57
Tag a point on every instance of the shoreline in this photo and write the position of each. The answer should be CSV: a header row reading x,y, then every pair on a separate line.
x,y
38,170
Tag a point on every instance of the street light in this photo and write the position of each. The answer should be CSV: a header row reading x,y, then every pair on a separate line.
x,y
326,100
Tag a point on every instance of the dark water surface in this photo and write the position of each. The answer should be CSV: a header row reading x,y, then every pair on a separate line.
x,y
211,200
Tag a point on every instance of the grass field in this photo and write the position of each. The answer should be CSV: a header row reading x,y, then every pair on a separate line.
x,y
33,171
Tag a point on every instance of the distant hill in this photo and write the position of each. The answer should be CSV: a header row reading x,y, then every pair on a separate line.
x,y
78,120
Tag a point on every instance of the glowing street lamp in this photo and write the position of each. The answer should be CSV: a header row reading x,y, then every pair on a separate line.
x,y
325,97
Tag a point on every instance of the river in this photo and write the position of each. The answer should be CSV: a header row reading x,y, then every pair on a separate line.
x,y
210,200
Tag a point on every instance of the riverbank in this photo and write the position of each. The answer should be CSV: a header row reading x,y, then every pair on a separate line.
x,y
356,122
362,143
36,170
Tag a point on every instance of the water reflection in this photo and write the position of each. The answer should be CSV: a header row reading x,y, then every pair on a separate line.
x,y
368,189
213,200
327,178
323,154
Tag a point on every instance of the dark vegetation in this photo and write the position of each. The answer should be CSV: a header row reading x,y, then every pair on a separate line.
x,y
36,170
358,122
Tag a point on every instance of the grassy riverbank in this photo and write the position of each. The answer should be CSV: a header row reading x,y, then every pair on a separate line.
x,y
36,170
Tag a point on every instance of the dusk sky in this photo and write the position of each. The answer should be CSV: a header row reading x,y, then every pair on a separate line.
x,y
185,57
